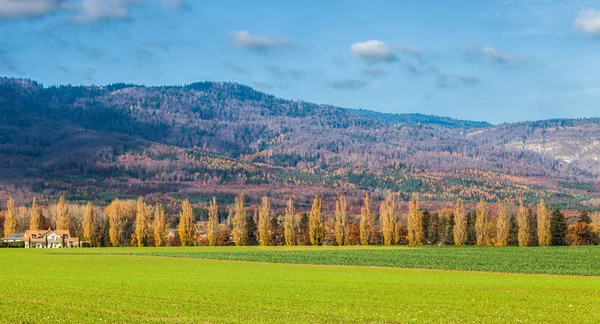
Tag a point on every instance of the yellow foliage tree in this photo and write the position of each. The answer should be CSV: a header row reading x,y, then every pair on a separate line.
x,y
288,224
341,206
523,224
460,223
89,223
63,219
367,222
10,219
265,229
543,229
141,223
503,225
212,230
116,218
186,224
160,226
388,218
482,221
34,216
240,228
415,222
316,228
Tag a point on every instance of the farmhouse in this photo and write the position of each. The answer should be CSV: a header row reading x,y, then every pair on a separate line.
x,y
49,239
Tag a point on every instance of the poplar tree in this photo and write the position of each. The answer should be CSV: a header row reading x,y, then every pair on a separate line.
x,y
388,218
316,228
240,228
341,236
186,224
34,216
503,225
459,232
141,223
367,222
160,226
265,228
482,220
63,219
415,222
10,220
89,224
543,225
523,224
212,231
115,221
288,224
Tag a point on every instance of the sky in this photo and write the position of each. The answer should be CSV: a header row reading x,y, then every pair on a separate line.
x,y
496,61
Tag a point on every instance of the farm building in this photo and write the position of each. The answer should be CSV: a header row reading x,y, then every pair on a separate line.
x,y
49,239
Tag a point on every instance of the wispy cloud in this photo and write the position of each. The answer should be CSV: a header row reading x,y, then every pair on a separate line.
x,y
280,72
25,9
495,56
349,84
373,72
7,63
238,69
588,22
244,40
89,11
174,4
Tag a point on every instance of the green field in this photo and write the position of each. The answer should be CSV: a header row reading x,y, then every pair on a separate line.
x,y
177,285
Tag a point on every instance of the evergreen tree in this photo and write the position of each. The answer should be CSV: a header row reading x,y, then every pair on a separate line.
x,y
34,216
316,227
303,235
523,223
388,218
10,219
186,224
289,232
63,219
212,230
460,223
240,224
341,235
252,228
482,220
141,223
558,228
584,217
89,224
533,228
543,222
265,230
503,225
367,222
415,222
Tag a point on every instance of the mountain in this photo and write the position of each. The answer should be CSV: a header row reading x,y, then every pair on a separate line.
x,y
202,139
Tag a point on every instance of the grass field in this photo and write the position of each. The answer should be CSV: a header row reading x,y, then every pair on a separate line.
x,y
98,285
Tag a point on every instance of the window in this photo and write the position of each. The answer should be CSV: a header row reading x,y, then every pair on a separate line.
x,y
33,236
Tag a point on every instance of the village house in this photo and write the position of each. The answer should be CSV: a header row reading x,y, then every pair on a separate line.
x,y
49,239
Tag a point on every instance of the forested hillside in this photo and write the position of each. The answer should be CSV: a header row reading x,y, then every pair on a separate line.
x,y
94,142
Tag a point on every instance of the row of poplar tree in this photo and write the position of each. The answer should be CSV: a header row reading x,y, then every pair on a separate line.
x,y
136,223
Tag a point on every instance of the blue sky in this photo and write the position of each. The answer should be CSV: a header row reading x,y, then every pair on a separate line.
x,y
498,61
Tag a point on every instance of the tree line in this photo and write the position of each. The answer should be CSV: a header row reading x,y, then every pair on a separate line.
x,y
131,222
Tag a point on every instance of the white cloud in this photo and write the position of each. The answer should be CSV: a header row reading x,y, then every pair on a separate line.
x,y
88,11
373,51
173,4
243,39
28,8
588,22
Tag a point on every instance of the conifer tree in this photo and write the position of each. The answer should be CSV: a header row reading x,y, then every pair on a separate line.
x,y
341,236
288,224
558,228
265,230
316,228
89,224
240,228
388,218
63,219
141,223
459,232
367,222
160,225
10,219
543,226
212,231
482,220
415,222
503,225
523,223
34,216
186,224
